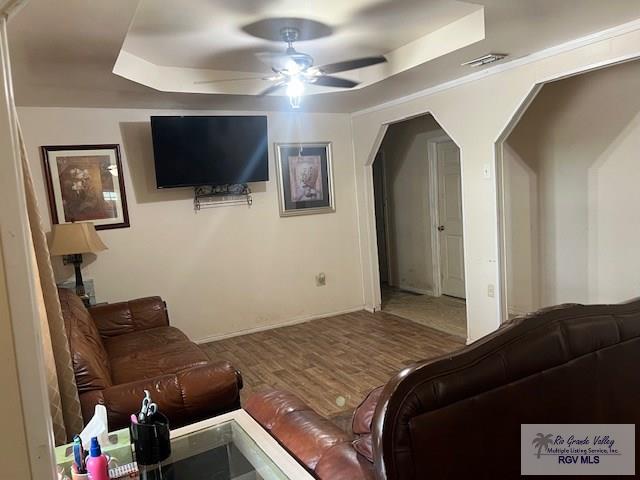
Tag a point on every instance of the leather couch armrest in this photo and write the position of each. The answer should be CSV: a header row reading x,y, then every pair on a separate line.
x,y
363,414
342,462
268,406
313,440
185,397
362,423
115,319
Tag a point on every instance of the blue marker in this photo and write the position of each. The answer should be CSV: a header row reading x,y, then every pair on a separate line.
x,y
78,454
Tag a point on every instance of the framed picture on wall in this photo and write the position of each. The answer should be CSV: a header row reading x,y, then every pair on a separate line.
x,y
85,184
305,178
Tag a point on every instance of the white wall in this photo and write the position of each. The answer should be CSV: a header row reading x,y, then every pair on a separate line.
x,y
521,233
222,270
613,191
405,153
474,114
579,142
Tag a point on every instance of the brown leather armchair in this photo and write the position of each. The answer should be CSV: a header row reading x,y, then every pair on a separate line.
x,y
460,415
121,349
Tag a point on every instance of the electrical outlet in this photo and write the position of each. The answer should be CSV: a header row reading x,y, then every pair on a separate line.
x,y
321,279
491,290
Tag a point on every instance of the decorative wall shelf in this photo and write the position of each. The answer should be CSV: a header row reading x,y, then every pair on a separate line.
x,y
221,196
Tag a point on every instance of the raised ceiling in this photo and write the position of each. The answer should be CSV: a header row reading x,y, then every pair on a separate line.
x,y
65,53
212,34
173,48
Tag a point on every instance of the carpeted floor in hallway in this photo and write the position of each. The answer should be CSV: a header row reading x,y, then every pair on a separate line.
x,y
447,314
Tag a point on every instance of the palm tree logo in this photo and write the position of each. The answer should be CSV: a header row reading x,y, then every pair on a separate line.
x,y
542,441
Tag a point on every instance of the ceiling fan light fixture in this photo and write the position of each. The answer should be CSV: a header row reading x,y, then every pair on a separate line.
x,y
295,90
295,102
312,73
292,67
294,70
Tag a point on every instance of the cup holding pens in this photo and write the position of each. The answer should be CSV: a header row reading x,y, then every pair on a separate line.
x,y
78,476
151,439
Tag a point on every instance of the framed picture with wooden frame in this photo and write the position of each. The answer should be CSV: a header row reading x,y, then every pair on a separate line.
x,y
85,184
305,178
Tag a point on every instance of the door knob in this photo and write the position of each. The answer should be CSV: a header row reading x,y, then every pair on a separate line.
x,y
441,228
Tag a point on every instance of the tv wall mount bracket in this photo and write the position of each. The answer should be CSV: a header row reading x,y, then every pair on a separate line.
x,y
207,196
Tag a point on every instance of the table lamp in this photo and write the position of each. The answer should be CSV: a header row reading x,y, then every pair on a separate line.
x,y
71,240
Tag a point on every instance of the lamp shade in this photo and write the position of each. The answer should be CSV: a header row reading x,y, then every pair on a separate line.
x,y
72,238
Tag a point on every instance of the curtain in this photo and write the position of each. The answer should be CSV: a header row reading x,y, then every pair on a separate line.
x,y
63,394
61,386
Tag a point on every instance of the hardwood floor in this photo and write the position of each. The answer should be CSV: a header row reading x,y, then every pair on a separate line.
x,y
332,362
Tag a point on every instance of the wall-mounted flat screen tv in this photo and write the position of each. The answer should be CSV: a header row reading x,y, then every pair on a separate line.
x,y
203,150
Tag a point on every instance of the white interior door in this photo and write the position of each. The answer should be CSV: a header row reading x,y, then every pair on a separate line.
x,y
450,230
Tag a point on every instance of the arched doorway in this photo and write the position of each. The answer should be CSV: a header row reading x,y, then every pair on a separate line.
x,y
419,228
568,176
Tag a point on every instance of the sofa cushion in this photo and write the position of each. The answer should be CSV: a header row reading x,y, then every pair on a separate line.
x,y
189,396
89,357
364,446
363,414
153,361
362,421
143,340
115,319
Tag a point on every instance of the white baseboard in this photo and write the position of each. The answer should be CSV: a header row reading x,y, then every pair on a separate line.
x,y
419,291
293,321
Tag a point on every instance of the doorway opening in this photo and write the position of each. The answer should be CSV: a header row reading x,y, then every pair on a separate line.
x,y
569,175
419,228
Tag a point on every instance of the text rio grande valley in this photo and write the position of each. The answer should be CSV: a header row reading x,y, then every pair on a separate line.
x,y
574,450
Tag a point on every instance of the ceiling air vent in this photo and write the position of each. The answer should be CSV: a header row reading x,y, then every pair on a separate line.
x,y
484,60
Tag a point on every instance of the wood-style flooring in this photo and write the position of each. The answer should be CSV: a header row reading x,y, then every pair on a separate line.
x,y
332,362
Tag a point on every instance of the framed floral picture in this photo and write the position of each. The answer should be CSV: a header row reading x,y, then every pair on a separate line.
x,y
305,178
85,184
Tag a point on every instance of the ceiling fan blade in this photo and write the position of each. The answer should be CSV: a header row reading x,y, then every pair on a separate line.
x,y
352,64
328,81
204,82
271,89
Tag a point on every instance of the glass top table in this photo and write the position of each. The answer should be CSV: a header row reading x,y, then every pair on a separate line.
x,y
232,446
228,447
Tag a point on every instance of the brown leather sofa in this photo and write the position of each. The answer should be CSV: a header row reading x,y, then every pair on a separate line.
x,y
121,349
460,415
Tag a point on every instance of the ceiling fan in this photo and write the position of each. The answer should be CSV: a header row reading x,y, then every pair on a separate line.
x,y
293,70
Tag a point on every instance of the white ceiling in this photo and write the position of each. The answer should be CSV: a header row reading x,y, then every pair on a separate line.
x,y
209,33
63,53
173,49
